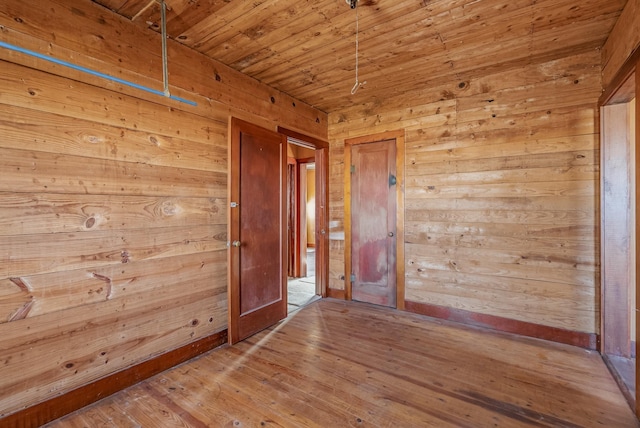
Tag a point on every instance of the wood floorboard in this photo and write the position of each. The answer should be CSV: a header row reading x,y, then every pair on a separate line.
x,y
348,364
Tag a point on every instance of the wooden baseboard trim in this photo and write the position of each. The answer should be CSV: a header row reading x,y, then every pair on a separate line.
x,y
575,338
336,294
57,407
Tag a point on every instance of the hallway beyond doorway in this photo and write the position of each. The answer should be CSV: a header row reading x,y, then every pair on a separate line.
x,y
302,291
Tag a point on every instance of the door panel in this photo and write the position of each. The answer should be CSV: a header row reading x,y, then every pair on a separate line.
x,y
257,254
373,222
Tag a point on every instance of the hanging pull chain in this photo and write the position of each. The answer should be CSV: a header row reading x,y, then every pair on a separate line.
x,y
357,85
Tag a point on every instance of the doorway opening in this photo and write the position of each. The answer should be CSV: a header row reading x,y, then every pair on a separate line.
x,y
301,188
307,239
618,220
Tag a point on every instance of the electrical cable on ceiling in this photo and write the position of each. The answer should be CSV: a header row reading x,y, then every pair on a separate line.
x,y
354,5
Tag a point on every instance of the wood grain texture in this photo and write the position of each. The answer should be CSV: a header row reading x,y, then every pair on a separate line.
x,y
636,307
113,202
501,192
62,405
623,41
101,40
583,340
31,129
307,50
617,217
345,364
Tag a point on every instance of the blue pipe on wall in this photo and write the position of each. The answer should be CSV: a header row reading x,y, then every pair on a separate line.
x,y
92,72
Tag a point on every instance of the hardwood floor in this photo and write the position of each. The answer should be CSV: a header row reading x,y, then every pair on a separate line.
x,y
347,364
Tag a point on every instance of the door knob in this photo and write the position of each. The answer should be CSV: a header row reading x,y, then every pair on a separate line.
x,y
390,234
233,244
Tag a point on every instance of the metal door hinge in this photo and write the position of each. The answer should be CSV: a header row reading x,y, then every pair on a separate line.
x,y
234,204
353,277
353,169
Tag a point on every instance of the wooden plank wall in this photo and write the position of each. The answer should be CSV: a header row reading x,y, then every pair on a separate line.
x,y
501,192
113,201
622,42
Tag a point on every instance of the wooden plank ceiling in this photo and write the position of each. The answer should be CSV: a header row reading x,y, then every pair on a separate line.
x,y
306,48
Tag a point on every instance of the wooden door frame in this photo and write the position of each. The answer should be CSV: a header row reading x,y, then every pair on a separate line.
x,y
301,216
623,88
322,204
398,136
292,255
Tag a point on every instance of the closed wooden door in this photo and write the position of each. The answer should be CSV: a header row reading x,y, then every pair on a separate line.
x,y
257,232
373,222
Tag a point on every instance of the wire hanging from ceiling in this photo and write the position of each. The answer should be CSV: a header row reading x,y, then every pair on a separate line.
x,y
354,5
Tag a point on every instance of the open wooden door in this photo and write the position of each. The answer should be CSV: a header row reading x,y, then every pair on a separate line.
x,y
257,229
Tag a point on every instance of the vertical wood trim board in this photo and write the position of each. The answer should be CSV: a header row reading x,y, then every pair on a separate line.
x,y
583,340
322,219
637,236
71,401
400,260
347,222
615,229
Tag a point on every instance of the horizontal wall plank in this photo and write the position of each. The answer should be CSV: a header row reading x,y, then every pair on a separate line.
x,y
569,203
24,87
35,295
577,233
579,188
428,115
515,162
527,257
24,255
508,265
503,216
549,174
34,213
29,129
37,172
584,248
513,148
